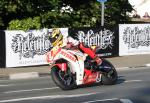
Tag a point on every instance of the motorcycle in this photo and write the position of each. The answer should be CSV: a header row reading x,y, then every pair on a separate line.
x,y
68,70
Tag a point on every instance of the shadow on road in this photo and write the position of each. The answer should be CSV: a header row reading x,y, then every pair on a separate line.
x,y
120,80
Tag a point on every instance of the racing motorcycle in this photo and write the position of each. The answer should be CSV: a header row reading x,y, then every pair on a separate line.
x,y
68,70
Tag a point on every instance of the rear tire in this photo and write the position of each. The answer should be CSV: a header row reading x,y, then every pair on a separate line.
x,y
110,77
63,80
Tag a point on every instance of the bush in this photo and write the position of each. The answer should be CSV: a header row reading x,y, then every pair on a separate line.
x,y
25,24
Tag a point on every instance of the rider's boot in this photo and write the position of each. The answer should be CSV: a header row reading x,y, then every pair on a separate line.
x,y
100,66
103,68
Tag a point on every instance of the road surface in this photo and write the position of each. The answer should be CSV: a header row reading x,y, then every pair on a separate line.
x,y
133,86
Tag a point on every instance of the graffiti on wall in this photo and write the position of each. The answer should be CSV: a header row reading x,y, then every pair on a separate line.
x,y
103,38
136,37
30,45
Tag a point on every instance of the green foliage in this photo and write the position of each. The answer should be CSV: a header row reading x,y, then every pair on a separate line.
x,y
116,11
1,22
25,24
31,14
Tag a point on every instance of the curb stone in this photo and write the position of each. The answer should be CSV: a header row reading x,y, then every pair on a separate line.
x,y
19,76
24,75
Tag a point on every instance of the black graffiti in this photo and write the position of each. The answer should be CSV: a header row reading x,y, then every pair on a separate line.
x,y
136,37
30,45
103,38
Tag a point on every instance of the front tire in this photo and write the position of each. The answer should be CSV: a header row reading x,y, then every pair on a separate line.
x,y
65,81
110,77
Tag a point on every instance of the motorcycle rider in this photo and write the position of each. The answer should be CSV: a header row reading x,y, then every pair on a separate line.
x,y
57,39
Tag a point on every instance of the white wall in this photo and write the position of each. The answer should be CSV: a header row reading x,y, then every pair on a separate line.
x,y
141,6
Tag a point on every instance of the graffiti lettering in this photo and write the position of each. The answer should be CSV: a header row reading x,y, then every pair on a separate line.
x,y
103,38
30,45
136,37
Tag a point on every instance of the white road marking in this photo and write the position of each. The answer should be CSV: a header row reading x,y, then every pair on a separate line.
x,y
6,85
126,101
148,65
129,81
122,68
46,97
28,90
102,100
132,68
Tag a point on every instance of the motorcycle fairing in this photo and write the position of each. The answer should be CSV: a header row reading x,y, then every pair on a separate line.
x,y
62,66
74,61
91,77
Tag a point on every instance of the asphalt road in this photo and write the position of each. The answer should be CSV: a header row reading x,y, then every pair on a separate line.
x,y
133,86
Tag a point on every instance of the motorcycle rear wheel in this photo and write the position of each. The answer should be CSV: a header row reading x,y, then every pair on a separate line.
x,y
65,81
110,77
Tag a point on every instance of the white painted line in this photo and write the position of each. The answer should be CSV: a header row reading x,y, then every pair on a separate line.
x,y
24,75
28,90
102,100
6,85
126,101
131,68
129,81
45,97
122,68
148,65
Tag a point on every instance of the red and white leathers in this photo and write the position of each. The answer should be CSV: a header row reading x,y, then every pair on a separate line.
x,y
70,43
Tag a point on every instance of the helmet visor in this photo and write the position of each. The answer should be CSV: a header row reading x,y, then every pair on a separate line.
x,y
57,38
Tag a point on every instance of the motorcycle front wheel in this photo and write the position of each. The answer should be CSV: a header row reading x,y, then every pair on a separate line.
x,y
109,77
64,80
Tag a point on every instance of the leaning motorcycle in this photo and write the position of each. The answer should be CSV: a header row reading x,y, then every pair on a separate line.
x,y
68,71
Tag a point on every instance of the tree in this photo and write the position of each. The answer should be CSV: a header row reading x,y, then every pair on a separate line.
x,y
60,13
88,12
116,11
13,10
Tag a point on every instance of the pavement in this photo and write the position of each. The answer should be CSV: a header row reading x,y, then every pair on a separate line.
x,y
120,63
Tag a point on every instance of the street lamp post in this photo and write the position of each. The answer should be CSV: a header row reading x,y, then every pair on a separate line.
x,y
102,11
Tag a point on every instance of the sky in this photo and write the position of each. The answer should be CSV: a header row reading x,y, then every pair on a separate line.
x,y
141,6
